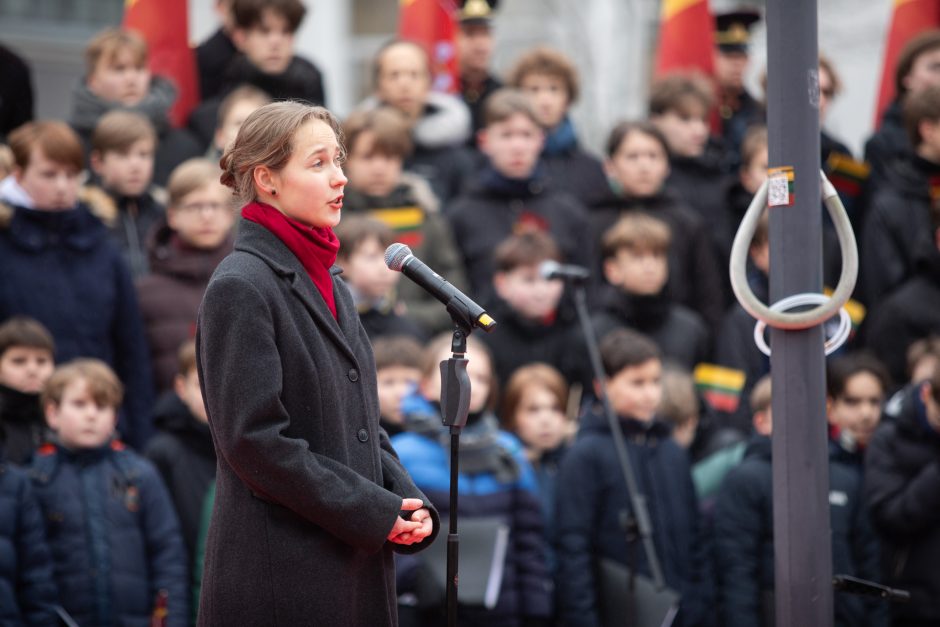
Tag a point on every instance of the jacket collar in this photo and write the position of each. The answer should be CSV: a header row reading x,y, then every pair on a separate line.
x,y
256,240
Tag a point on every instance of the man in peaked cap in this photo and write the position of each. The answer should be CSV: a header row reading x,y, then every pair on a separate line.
x,y
738,108
474,54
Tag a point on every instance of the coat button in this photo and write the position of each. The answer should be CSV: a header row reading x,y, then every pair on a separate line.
x,y
353,375
363,435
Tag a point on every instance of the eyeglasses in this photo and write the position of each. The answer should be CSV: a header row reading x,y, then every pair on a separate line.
x,y
203,207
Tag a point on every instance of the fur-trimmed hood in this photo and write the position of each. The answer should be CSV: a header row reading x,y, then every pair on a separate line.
x,y
445,121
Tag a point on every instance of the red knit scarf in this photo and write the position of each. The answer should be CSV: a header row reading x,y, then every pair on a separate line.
x,y
316,248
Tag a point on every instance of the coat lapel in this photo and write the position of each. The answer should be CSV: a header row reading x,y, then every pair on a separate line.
x,y
257,240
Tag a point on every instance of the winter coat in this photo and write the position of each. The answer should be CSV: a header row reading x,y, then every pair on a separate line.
x,y
700,183
170,295
27,589
745,112
114,536
308,486
493,482
592,488
61,268
517,341
440,155
183,453
22,425
909,313
902,486
679,332
897,224
130,220
888,144
694,276
744,543
213,56
413,212
382,320
173,145
569,168
496,208
16,92
474,96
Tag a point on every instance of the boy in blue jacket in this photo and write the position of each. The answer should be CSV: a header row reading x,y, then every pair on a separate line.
x,y
591,485
111,525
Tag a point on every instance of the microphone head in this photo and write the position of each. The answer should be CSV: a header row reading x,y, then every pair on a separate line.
x,y
549,268
395,256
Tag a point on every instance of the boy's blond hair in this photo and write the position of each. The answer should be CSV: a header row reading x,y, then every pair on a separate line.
x,y
107,44
104,387
189,176
637,232
118,130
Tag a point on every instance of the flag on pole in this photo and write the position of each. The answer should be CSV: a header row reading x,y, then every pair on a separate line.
x,y
686,37
432,24
909,18
164,24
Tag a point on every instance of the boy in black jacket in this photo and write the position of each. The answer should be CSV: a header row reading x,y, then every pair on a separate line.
x,y
26,362
526,306
592,487
182,449
512,193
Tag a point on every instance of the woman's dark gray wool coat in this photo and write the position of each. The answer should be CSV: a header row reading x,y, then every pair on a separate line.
x,y
308,486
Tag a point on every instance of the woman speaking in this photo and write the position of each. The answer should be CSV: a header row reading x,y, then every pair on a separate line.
x,y
311,500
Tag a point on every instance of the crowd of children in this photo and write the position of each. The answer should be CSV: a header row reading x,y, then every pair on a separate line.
x,y
112,223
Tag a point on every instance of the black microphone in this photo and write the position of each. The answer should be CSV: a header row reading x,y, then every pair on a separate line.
x,y
550,269
399,258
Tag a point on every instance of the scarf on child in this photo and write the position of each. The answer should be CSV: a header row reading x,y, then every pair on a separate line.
x,y
316,248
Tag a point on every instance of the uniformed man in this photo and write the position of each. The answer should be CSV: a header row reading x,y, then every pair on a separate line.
x,y
737,109
474,54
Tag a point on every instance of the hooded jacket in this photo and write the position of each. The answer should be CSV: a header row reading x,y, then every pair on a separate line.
x,y
61,268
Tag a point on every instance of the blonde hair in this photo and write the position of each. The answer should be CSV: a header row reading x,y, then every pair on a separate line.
x,y
189,176
118,130
266,138
103,385
109,43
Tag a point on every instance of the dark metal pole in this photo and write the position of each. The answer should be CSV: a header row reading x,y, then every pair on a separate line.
x,y
803,557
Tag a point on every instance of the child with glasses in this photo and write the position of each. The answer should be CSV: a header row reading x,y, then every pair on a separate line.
x,y
183,251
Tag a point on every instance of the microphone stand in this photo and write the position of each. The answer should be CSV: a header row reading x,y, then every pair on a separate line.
x,y
455,404
637,522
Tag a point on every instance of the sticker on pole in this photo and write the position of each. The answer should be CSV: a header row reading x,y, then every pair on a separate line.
x,y
780,187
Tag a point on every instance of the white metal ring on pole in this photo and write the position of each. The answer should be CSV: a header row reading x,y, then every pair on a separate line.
x,y
832,344
827,308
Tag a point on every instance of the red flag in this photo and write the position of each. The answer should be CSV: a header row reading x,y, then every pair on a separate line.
x,y
910,18
431,23
164,24
686,37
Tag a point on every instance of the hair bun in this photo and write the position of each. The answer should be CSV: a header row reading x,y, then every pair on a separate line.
x,y
228,174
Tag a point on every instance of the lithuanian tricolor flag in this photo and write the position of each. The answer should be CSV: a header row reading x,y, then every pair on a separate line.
x,y
686,37
719,386
909,18
164,24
